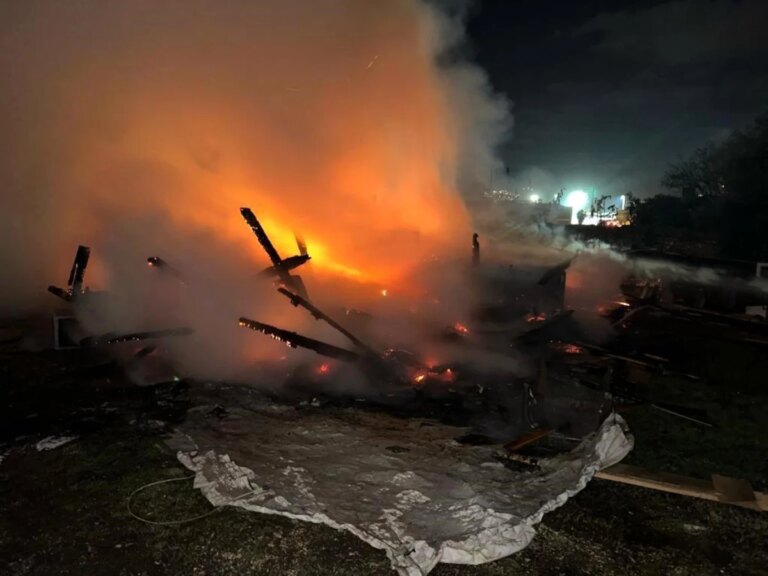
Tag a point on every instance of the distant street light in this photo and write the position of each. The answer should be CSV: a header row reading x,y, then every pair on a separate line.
x,y
576,200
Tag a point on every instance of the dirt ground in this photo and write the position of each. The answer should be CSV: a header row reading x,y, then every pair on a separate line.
x,y
63,511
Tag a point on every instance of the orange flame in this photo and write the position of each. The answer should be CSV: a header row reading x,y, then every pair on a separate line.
x,y
460,328
323,146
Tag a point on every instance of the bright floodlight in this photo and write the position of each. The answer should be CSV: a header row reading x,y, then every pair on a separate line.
x,y
577,200
533,198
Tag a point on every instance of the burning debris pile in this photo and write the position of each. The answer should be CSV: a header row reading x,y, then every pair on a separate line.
x,y
395,363
69,331
481,393
512,394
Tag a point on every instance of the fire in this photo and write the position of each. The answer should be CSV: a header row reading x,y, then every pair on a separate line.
x,y
434,374
572,349
323,146
324,368
460,328
448,375
540,317
607,309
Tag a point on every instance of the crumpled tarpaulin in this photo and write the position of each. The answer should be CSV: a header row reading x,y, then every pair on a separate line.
x,y
403,485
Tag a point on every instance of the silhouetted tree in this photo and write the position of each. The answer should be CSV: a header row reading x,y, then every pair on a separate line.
x,y
631,202
724,189
697,176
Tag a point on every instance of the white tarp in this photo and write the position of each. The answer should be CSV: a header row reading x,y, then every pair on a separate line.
x,y
402,485
53,442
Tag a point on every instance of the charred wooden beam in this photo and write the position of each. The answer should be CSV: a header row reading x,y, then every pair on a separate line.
x,y
112,338
280,268
600,351
76,276
60,292
660,365
318,314
162,265
295,340
287,264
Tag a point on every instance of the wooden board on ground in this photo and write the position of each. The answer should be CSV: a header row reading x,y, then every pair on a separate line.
x,y
719,489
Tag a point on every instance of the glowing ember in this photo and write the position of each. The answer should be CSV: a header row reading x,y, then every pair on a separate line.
x,y
324,368
448,375
536,317
611,307
460,328
384,292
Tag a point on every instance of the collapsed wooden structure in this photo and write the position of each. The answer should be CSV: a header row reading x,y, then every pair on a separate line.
x,y
564,357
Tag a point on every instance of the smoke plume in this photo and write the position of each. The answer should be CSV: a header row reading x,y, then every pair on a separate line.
x,y
139,128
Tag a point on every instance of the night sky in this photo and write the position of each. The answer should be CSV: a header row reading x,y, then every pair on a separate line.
x,y
606,94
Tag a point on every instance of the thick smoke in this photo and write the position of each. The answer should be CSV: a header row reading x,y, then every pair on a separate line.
x,y
139,128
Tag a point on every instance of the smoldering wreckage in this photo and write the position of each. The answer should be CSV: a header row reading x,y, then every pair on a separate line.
x,y
450,461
